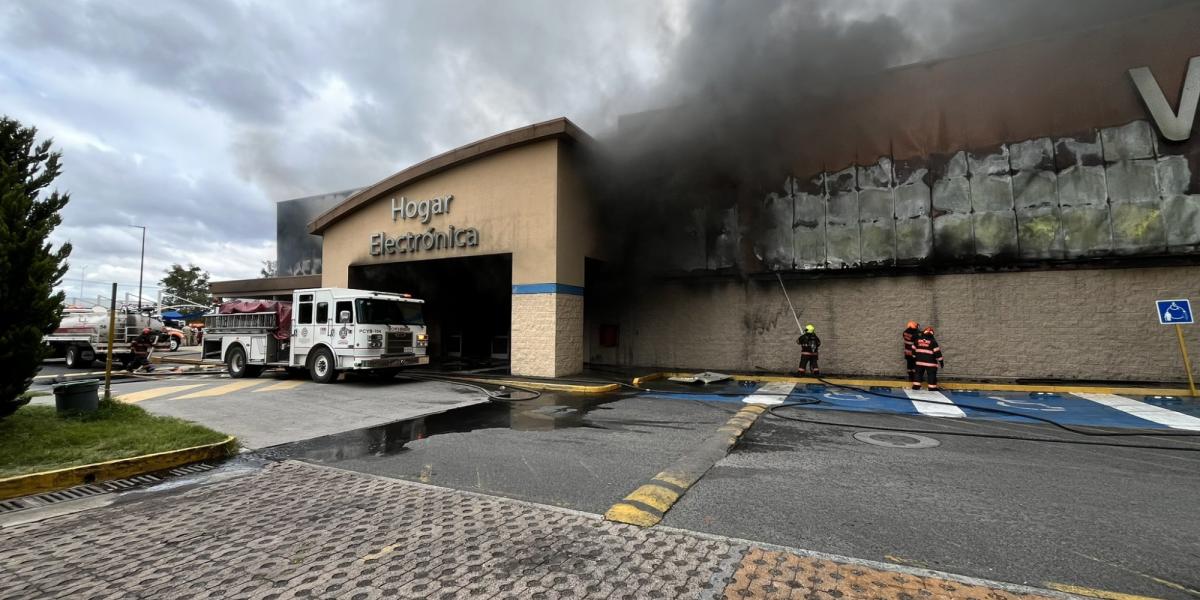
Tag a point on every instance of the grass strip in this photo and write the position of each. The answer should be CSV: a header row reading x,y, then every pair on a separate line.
x,y
37,438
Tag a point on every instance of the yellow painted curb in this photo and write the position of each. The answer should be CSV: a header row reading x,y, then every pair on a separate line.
x,y
638,381
657,497
654,496
632,515
673,479
945,385
1094,593
546,385
48,481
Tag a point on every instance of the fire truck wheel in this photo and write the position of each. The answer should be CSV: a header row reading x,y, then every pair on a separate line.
x,y
235,360
72,358
320,366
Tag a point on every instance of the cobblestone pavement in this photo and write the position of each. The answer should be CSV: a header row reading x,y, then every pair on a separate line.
x,y
302,531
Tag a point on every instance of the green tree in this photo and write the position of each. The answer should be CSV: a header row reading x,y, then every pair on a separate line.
x,y
30,268
191,283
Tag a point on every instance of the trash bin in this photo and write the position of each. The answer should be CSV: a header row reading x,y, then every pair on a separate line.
x,y
77,396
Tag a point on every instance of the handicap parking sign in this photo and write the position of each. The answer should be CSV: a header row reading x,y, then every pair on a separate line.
x,y
1174,312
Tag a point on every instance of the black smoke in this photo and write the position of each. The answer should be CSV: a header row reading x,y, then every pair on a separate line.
x,y
743,90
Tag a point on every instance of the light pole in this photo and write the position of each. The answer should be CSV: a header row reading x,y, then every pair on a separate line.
x,y
82,278
141,267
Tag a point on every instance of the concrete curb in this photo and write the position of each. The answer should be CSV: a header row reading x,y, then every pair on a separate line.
x,y
599,388
62,377
647,505
48,481
945,385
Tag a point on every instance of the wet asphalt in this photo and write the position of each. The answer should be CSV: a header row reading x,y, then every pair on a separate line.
x,y
1017,511
579,452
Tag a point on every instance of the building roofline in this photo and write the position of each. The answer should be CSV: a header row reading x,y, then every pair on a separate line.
x,y
560,128
265,286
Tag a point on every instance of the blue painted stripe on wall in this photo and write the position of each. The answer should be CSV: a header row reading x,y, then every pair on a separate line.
x,y
547,288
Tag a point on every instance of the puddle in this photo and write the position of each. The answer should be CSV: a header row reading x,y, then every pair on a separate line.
x,y
551,411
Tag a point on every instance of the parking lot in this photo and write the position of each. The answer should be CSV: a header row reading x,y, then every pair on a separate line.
x,y
993,495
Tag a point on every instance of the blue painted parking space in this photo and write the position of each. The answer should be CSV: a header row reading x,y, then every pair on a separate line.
x,y
1088,410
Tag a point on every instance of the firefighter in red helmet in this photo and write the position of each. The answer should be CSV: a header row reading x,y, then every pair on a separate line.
x,y
911,331
140,347
927,357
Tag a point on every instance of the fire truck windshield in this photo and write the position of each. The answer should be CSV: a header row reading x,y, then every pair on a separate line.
x,y
377,311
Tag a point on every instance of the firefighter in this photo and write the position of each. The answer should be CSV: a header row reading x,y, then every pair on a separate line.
x,y
911,331
810,346
141,346
927,356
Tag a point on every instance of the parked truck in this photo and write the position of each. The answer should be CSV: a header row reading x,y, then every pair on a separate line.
x,y
322,330
82,335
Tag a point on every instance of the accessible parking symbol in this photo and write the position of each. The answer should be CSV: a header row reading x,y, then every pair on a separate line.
x,y
1175,312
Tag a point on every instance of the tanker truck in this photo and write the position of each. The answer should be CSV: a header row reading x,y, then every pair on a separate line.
x,y
324,331
82,335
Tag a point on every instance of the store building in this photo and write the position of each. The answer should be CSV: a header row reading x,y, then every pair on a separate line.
x,y
1031,202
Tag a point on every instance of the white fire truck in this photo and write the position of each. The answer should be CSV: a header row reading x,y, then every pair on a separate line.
x,y
323,330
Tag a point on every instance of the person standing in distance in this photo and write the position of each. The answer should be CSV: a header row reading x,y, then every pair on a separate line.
x,y
810,346
928,355
911,331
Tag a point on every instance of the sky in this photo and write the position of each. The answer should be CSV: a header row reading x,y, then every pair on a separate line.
x,y
193,118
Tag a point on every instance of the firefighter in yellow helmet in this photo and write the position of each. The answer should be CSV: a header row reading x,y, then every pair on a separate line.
x,y
810,346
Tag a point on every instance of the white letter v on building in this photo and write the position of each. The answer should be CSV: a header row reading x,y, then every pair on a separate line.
x,y
1174,126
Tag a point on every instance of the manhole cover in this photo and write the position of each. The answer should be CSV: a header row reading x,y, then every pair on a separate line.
x,y
891,439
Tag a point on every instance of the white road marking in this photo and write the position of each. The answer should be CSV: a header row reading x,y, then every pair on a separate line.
x,y
932,409
1145,411
771,393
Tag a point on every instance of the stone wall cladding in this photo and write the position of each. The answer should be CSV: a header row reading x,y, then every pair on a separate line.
x,y
547,334
1115,191
1077,324
533,334
568,334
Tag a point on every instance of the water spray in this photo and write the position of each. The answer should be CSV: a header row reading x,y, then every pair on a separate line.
x,y
795,315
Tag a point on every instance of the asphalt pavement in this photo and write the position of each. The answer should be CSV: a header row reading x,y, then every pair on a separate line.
x,y
1079,513
1024,512
575,451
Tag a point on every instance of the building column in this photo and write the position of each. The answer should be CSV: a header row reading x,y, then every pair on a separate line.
x,y
547,330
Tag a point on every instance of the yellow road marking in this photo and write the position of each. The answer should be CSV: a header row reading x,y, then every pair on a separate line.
x,y
221,390
654,496
135,397
282,385
625,513
1094,593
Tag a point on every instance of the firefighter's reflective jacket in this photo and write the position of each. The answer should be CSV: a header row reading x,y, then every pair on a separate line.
x,y
910,337
809,344
926,351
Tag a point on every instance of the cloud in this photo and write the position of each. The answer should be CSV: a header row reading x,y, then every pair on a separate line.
x,y
193,118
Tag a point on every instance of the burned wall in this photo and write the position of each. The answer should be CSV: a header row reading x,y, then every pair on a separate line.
x,y
1110,192
1035,153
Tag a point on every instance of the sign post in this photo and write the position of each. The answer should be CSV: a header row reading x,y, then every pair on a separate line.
x,y
1179,313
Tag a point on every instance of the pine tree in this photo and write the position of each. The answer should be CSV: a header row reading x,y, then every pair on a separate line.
x,y
30,268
